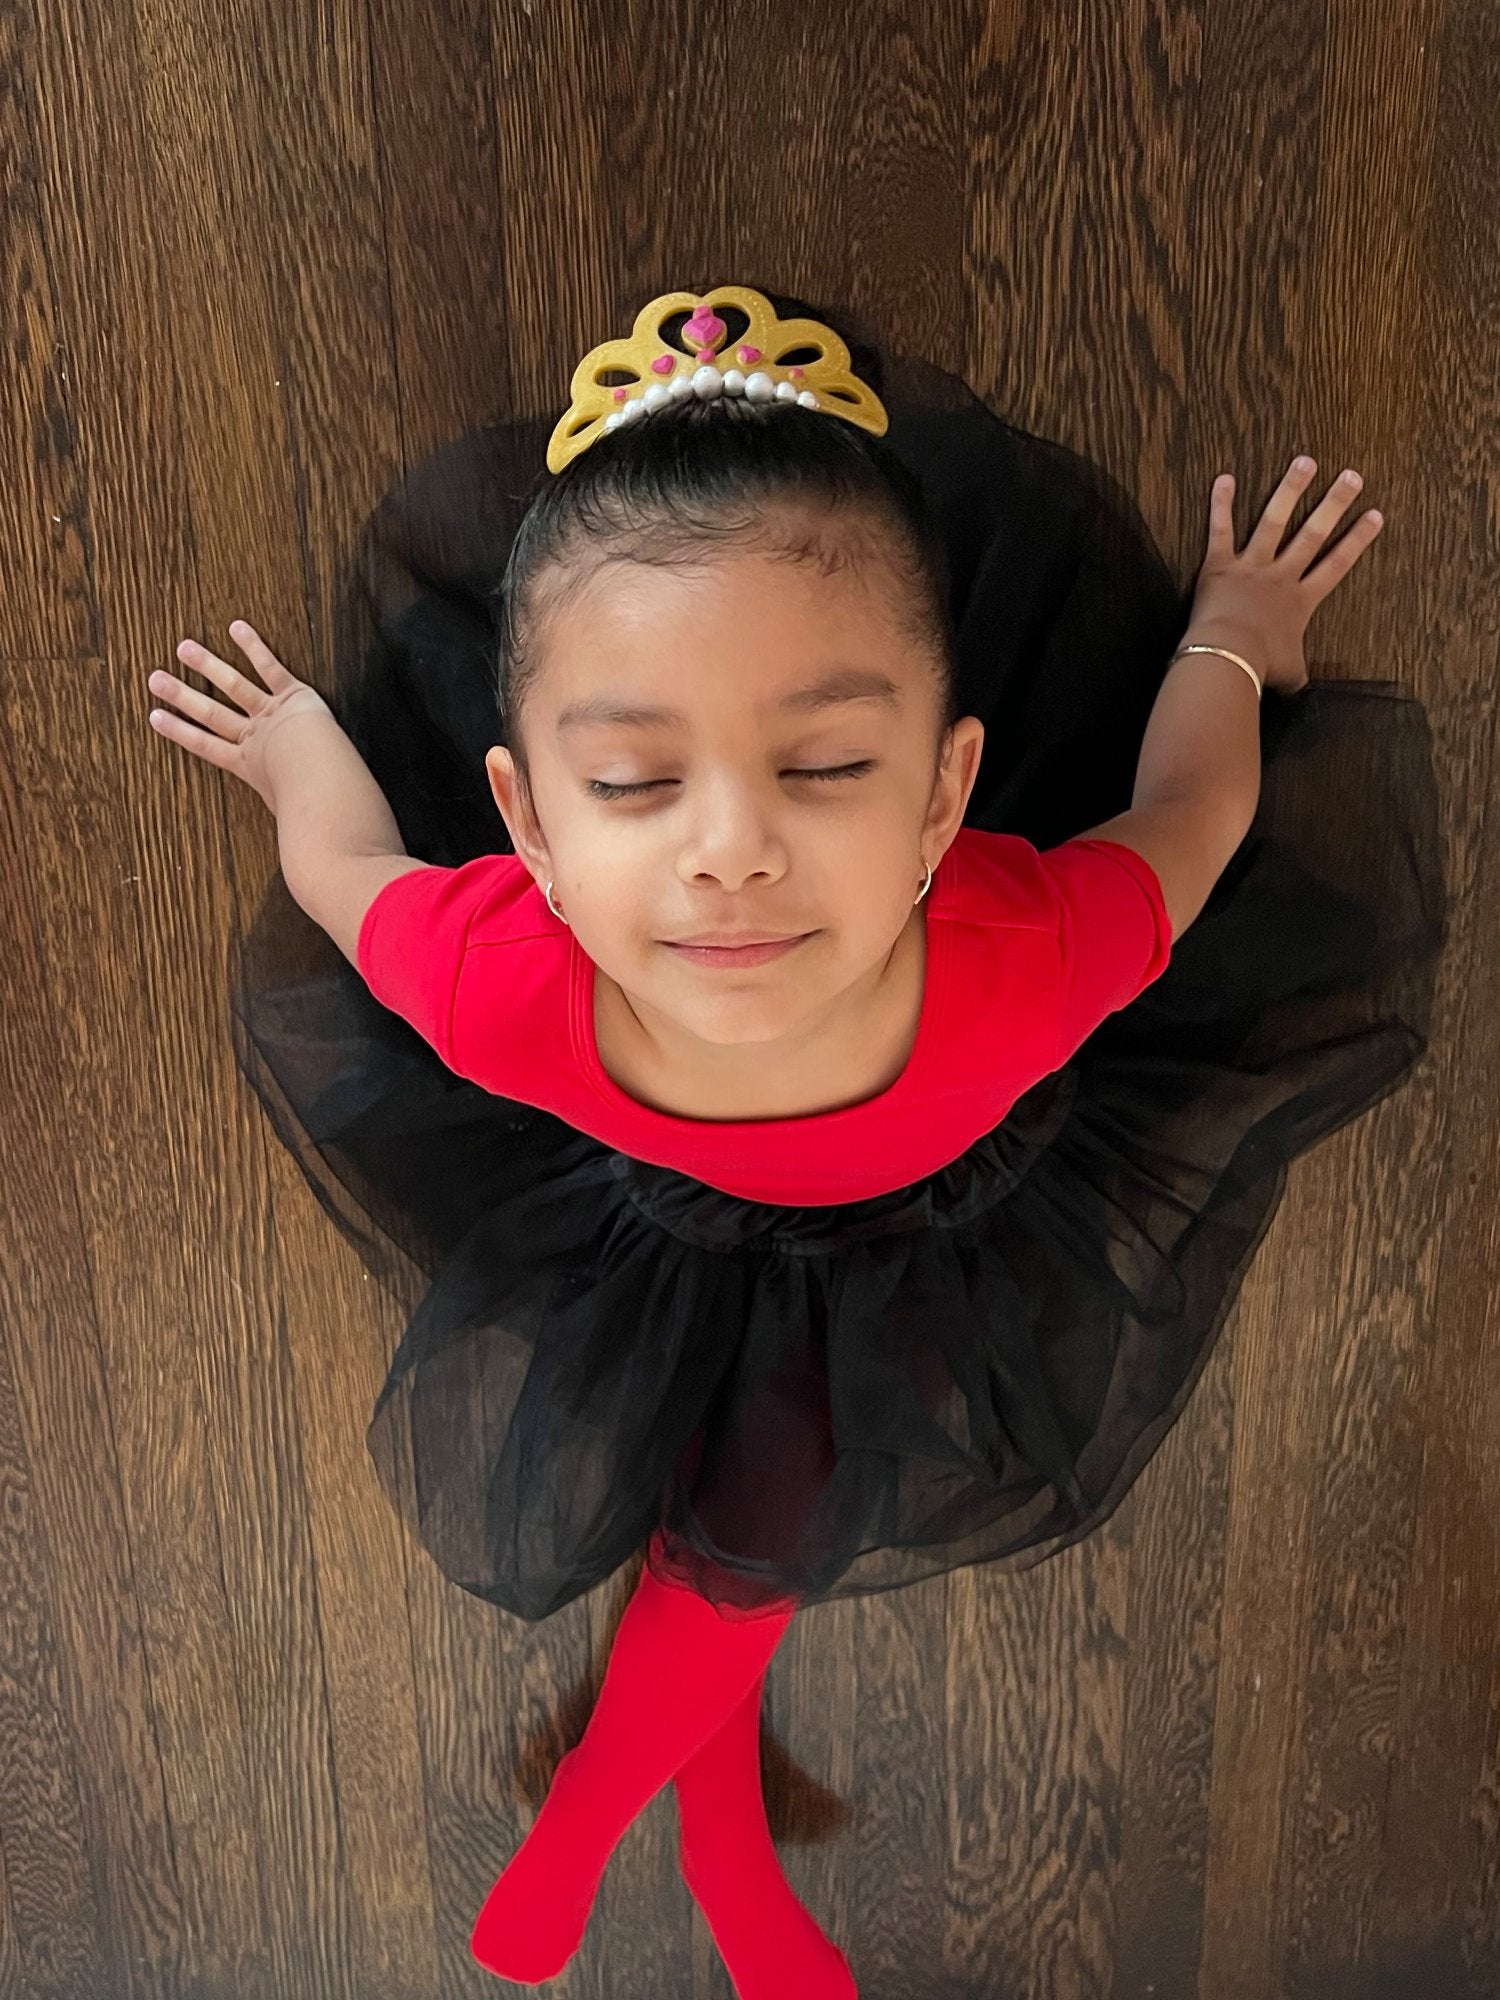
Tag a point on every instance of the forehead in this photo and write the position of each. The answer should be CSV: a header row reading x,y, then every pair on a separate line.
x,y
651,643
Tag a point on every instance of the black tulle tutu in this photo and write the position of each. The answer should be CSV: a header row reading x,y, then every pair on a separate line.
x,y
833,1400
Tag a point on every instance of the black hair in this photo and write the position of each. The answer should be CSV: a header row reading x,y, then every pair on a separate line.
x,y
669,486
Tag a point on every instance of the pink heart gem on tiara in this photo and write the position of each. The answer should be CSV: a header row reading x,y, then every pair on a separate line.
x,y
797,374
748,354
704,328
619,395
664,364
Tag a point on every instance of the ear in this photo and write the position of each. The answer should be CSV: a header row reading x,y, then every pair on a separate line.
x,y
955,782
525,833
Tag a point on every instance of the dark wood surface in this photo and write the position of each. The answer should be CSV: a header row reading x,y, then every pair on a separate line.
x,y
1245,1743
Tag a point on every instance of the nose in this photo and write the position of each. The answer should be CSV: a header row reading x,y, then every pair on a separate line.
x,y
733,841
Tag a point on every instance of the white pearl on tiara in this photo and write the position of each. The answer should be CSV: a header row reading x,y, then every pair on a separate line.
x,y
708,384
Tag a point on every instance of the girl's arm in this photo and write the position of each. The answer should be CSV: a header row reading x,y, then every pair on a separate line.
x,y
1198,777
337,837
1197,783
326,802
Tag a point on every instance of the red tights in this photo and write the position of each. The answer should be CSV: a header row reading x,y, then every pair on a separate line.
x,y
681,1699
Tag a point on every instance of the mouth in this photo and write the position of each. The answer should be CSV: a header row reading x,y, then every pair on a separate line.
x,y
730,957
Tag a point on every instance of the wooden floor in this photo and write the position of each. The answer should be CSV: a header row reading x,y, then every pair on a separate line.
x,y
1245,1743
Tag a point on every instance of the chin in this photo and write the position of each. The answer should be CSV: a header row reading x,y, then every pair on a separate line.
x,y
736,1022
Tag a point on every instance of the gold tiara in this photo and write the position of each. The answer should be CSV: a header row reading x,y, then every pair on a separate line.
x,y
697,369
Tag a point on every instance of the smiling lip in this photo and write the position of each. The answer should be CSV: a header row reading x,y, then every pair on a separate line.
x,y
736,940
743,955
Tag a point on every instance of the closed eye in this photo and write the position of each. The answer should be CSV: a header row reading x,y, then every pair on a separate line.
x,y
599,789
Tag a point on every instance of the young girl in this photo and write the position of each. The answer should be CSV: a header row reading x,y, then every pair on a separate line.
x,y
896,1244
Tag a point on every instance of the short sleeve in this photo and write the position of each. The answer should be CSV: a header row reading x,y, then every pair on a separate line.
x,y
1114,933
411,944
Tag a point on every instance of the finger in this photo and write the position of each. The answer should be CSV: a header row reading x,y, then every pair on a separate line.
x,y
1340,559
1321,522
1266,539
235,684
1221,516
210,748
222,721
265,662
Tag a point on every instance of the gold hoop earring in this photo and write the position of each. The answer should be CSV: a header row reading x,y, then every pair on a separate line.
x,y
554,909
926,885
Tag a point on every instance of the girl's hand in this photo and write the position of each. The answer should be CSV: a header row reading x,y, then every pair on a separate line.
x,y
233,741
1258,602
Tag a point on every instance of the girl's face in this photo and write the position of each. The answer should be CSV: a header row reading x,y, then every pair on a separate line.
x,y
731,835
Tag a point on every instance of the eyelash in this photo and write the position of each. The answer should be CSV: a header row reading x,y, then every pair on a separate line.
x,y
599,789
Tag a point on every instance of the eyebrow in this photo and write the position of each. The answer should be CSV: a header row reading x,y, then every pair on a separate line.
x,y
840,685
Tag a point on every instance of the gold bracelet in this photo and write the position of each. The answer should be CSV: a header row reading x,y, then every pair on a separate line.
x,y
1224,653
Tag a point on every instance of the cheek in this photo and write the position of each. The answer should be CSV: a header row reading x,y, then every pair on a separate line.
x,y
609,896
875,859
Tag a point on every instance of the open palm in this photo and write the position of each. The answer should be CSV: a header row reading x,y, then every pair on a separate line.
x,y
232,738
1263,595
